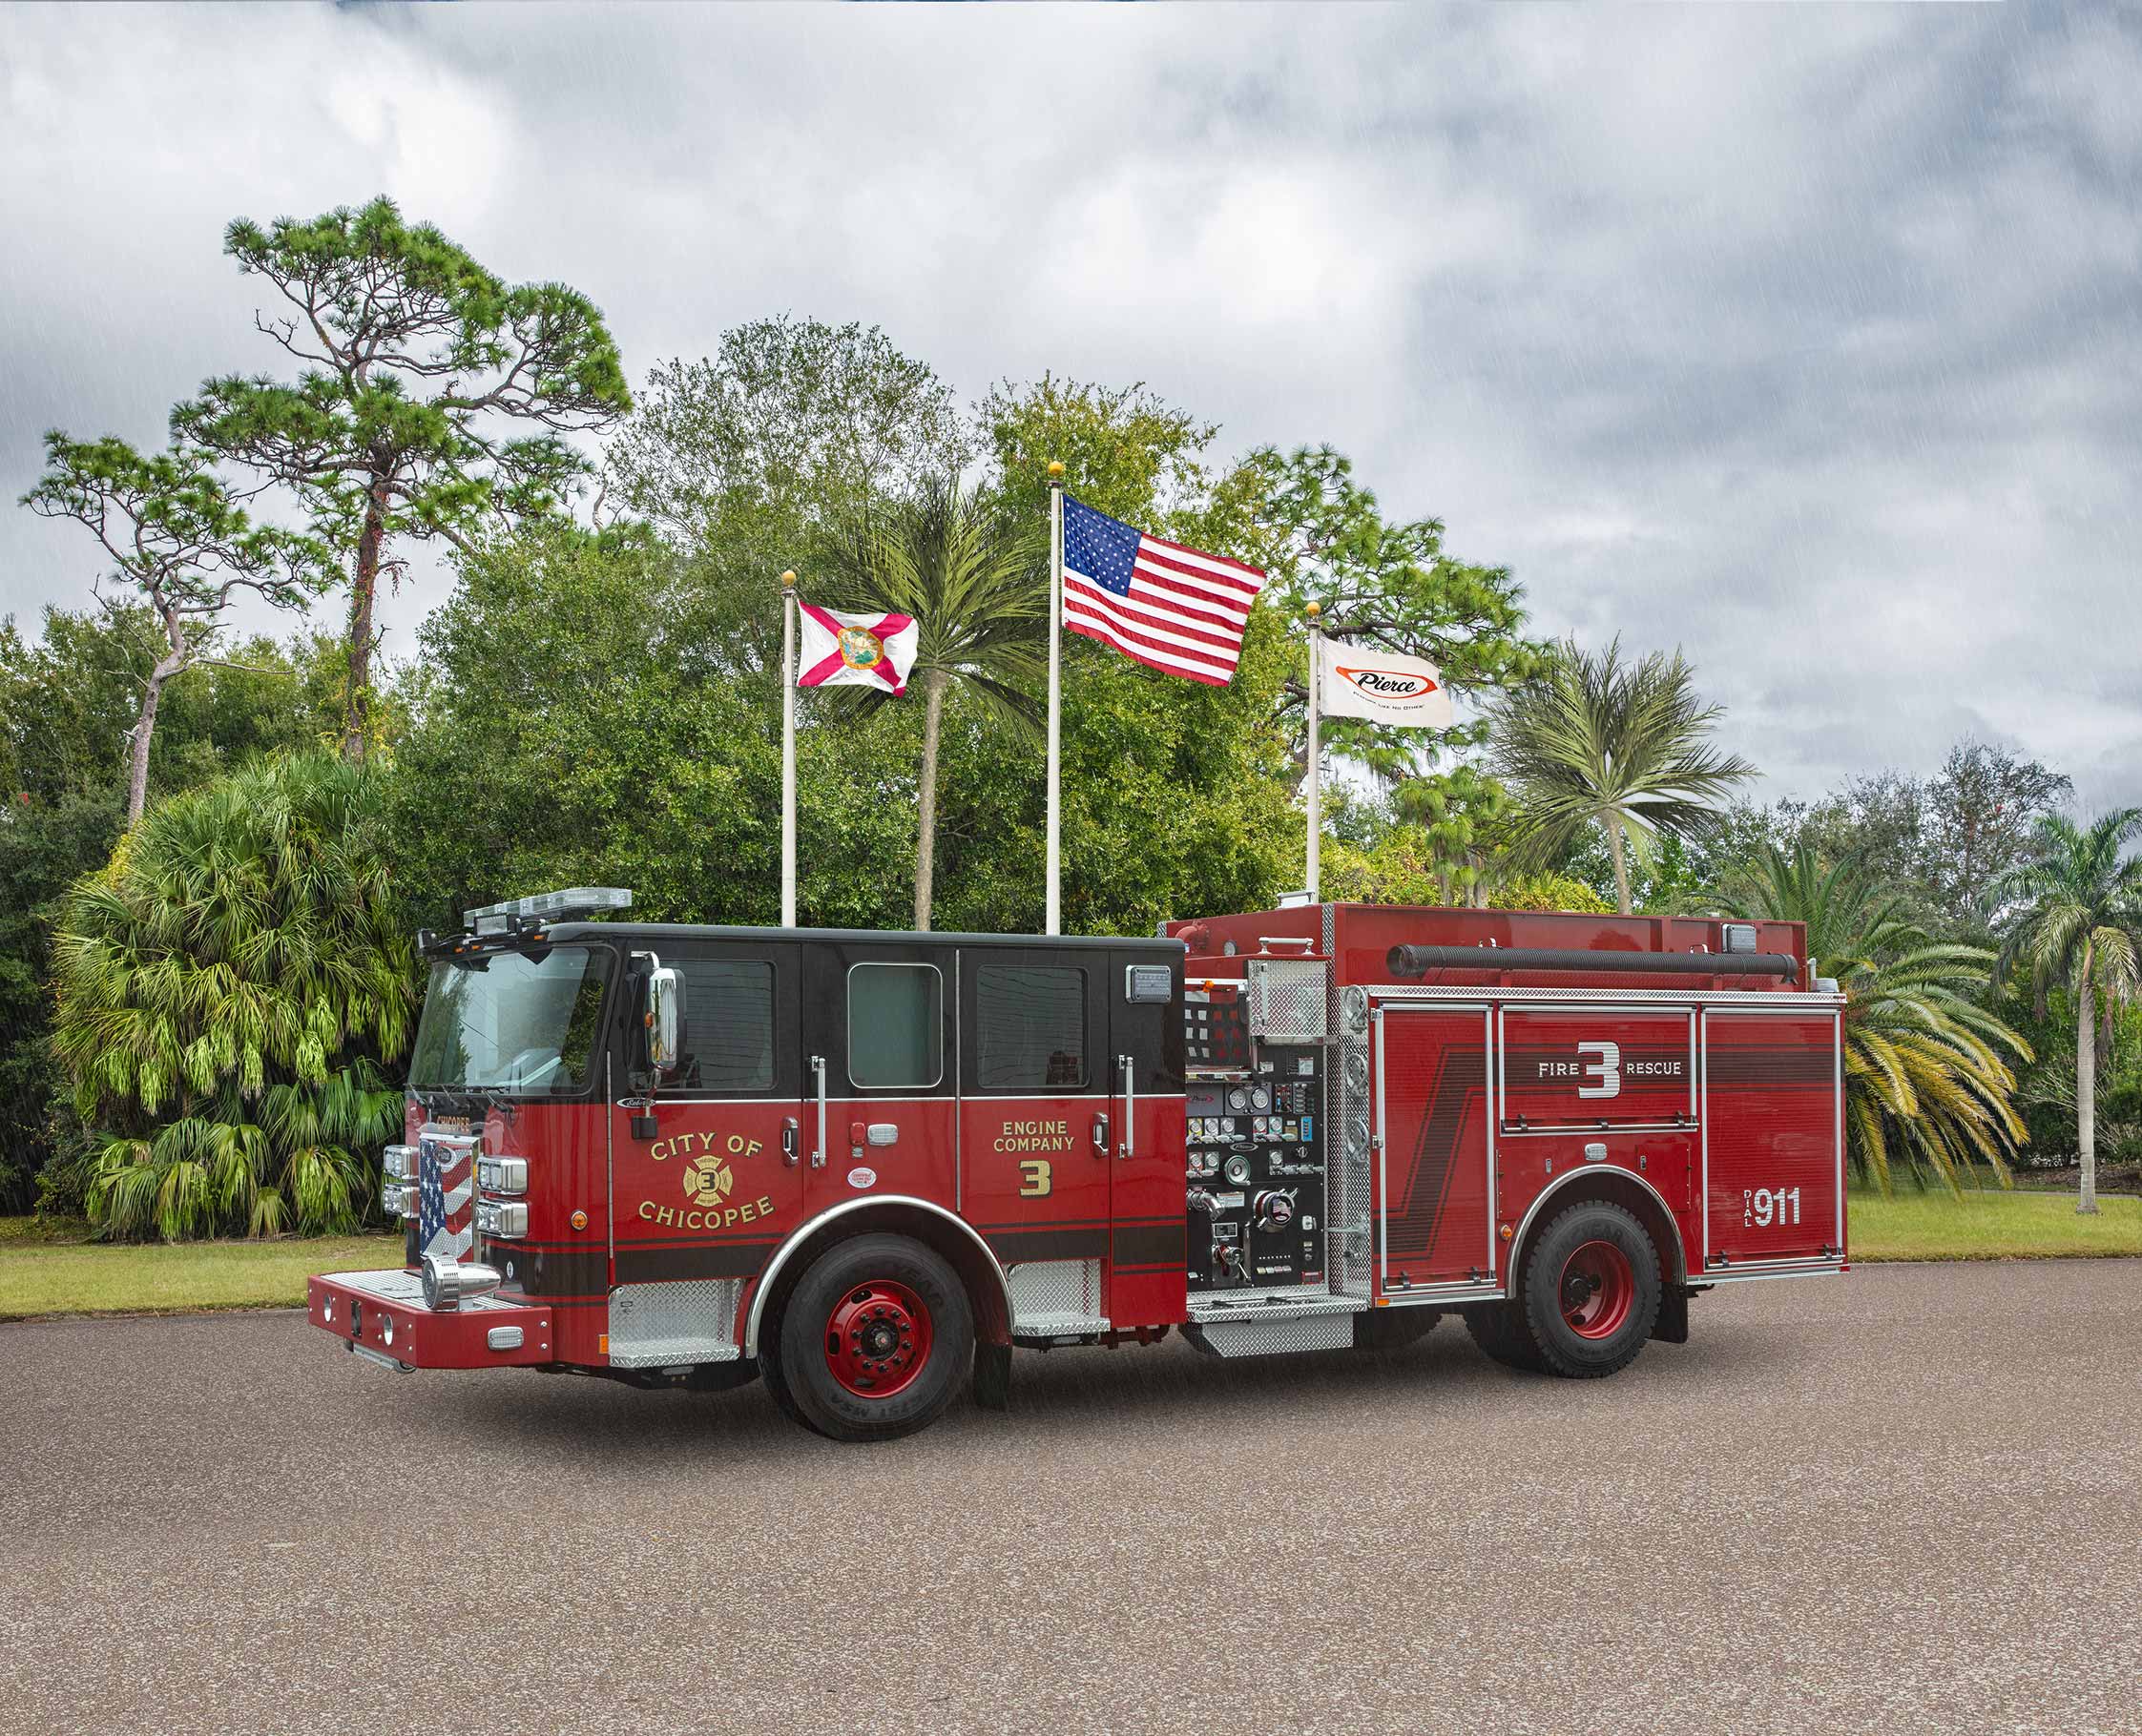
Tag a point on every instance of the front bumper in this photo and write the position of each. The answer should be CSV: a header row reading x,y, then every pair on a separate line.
x,y
382,1315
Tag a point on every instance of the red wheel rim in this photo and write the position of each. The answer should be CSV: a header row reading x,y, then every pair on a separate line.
x,y
877,1338
1598,1290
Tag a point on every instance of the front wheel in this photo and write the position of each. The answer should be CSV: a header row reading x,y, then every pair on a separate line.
x,y
1590,1291
875,1339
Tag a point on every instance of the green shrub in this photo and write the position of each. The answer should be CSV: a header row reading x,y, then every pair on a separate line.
x,y
229,992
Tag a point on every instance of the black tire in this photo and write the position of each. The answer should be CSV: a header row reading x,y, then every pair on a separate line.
x,y
907,1324
1580,1248
1500,1331
1392,1328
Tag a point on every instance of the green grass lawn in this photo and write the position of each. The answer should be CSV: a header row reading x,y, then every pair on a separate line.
x,y
56,1270
47,1269
1991,1226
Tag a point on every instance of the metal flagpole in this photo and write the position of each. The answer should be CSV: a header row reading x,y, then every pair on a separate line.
x,y
1316,807
788,750
1054,921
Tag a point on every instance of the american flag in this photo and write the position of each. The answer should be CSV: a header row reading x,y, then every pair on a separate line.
x,y
445,1183
1173,609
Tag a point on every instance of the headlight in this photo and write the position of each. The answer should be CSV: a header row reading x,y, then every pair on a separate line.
x,y
400,1162
397,1199
502,1174
505,1221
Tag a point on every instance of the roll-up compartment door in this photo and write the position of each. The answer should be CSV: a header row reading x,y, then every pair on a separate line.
x,y
1774,1174
1604,1067
1436,1179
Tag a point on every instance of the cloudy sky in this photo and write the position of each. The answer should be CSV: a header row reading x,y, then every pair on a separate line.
x,y
1807,339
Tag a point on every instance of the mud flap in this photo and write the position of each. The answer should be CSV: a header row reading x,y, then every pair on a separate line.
x,y
1671,1325
992,1376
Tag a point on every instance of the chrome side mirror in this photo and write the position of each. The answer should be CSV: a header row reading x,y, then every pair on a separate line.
x,y
665,1020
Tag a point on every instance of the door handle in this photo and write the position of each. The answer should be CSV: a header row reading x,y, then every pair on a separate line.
x,y
1130,1145
1100,1136
818,1067
791,1137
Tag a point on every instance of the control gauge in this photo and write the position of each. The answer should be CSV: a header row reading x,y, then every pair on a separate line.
x,y
1259,1098
1239,1170
1237,1099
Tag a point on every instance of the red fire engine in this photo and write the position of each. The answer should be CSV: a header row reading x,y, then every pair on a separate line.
x,y
867,1166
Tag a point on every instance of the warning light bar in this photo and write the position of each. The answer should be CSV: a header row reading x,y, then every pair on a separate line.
x,y
547,907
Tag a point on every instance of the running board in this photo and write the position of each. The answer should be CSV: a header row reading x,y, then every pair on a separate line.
x,y
1273,1327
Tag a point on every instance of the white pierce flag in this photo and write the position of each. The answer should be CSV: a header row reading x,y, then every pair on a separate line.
x,y
1354,681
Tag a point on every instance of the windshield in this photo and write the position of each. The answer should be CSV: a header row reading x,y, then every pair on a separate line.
x,y
511,1021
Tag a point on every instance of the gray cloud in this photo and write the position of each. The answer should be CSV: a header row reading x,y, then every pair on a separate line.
x,y
1809,340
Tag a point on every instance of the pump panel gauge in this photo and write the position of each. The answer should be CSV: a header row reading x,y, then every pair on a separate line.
x,y
1237,1099
1259,1098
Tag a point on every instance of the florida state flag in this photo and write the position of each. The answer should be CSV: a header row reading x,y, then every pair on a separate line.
x,y
855,650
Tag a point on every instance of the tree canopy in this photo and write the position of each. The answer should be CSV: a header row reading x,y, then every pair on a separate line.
x,y
176,537
420,370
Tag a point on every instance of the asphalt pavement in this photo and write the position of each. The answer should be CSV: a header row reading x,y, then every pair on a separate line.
x,y
1903,1500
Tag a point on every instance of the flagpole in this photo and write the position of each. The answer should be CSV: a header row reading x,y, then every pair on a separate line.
x,y
788,750
1053,918
1316,807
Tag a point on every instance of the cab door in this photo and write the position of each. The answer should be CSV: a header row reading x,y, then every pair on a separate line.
x,y
878,1072
1147,1231
1039,1126
707,1162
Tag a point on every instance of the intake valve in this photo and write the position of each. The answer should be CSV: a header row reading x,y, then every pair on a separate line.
x,y
1274,1209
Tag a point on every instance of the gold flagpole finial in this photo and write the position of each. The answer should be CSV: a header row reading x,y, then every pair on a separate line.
x,y
1056,470
788,581
1313,611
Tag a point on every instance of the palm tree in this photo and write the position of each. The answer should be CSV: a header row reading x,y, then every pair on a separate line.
x,y
229,992
2074,908
975,583
1599,742
1925,1073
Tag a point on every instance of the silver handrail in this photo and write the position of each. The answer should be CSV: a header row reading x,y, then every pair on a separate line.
x,y
1130,1145
818,1066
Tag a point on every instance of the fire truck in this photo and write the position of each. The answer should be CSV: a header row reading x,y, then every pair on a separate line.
x,y
866,1167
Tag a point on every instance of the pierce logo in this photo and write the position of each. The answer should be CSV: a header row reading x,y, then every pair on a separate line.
x,y
1387,683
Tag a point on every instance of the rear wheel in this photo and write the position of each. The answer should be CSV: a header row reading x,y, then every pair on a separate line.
x,y
1590,1291
875,1341
1499,1329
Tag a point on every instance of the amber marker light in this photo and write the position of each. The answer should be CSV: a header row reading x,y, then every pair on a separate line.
x,y
579,1220
1507,1233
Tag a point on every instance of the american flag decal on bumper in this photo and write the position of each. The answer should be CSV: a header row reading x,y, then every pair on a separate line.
x,y
445,1188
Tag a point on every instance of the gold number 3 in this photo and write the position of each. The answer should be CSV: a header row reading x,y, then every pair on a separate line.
x,y
1037,1182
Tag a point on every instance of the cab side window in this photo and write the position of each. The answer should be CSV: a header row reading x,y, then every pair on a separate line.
x,y
896,1026
1030,1028
728,1026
